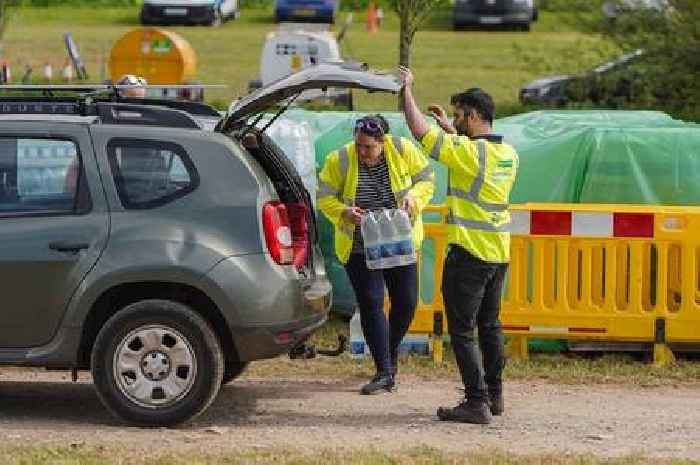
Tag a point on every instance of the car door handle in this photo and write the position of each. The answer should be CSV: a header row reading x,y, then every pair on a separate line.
x,y
67,246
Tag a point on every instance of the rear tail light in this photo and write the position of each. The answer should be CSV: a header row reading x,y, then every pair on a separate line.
x,y
286,232
298,219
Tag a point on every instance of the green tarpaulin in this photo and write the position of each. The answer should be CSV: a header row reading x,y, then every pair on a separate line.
x,y
641,157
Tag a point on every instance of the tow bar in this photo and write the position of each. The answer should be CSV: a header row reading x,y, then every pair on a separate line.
x,y
306,351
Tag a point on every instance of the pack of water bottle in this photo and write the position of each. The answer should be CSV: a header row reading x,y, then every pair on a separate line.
x,y
388,239
296,139
410,344
358,345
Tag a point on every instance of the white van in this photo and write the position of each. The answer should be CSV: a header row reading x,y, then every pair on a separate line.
x,y
294,47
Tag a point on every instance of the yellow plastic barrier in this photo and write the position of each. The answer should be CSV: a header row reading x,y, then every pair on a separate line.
x,y
596,272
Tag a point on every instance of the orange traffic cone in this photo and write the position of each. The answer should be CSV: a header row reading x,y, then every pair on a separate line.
x,y
372,18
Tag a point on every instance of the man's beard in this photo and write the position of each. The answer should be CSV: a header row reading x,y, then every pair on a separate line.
x,y
462,129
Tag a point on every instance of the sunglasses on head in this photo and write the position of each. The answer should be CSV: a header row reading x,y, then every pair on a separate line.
x,y
369,126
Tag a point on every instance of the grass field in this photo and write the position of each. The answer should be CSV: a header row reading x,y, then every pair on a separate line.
x,y
367,456
569,368
444,61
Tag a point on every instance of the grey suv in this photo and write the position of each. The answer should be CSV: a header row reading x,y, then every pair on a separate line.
x,y
159,255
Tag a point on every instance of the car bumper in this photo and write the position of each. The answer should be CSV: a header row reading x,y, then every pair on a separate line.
x,y
157,14
257,343
554,96
268,308
469,18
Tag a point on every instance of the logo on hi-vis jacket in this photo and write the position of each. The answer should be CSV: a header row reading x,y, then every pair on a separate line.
x,y
504,169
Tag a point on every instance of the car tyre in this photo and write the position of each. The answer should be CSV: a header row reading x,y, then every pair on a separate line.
x,y
157,363
217,19
232,370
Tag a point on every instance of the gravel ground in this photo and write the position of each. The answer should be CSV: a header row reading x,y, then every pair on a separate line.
x,y
39,407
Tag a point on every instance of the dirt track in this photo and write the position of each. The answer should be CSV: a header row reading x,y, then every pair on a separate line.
x,y
319,413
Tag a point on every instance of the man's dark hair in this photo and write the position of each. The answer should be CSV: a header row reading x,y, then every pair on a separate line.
x,y
477,100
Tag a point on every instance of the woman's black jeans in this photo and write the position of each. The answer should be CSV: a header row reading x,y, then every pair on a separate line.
x,y
401,282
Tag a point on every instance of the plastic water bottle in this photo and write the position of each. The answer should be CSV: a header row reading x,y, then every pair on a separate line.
x,y
358,346
296,141
372,240
415,344
404,233
389,239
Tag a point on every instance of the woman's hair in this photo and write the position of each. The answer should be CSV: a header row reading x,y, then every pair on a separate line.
x,y
372,125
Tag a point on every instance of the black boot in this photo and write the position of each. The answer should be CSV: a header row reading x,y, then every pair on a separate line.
x,y
496,402
468,411
380,382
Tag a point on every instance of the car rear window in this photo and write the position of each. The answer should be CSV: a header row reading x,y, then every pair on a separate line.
x,y
40,176
149,174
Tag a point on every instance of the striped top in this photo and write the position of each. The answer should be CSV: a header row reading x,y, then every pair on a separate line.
x,y
373,193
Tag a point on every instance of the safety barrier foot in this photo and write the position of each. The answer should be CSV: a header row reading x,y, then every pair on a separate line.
x,y
437,350
437,338
517,347
663,355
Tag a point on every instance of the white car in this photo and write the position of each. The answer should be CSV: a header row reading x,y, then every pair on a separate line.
x,y
209,12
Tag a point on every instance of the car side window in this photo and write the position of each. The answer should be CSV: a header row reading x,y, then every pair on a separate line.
x,y
149,174
41,176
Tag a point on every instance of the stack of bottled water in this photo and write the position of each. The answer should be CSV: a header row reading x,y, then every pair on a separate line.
x,y
296,139
388,239
418,344
358,345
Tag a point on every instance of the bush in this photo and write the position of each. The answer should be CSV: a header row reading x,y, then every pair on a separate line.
x,y
667,75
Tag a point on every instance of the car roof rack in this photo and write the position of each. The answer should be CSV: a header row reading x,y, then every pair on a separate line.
x,y
104,101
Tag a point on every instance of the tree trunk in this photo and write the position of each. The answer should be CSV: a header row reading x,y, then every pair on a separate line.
x,y
405,38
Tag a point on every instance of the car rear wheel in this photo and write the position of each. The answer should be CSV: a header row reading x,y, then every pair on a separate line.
x,y
157,363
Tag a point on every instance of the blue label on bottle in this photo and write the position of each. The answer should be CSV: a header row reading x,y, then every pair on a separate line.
x,y
389,249
406,247
357,348
373,253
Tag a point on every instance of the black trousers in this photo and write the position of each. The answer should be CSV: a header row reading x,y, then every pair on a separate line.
x,y
471,289
401,282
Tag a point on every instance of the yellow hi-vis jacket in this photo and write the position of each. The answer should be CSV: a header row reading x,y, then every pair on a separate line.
x,y
481,173
410,174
